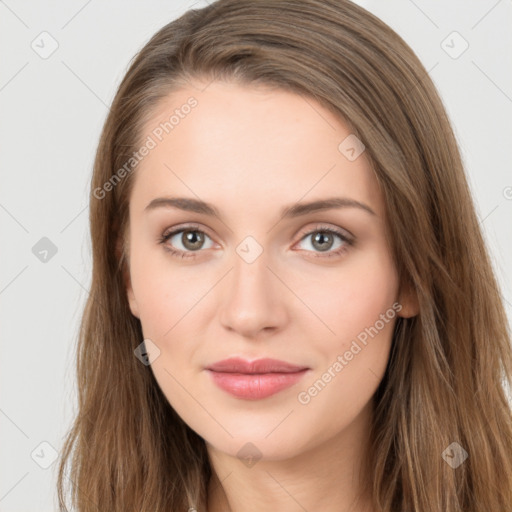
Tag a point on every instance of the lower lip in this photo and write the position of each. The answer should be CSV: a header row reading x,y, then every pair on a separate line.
x,y
255,386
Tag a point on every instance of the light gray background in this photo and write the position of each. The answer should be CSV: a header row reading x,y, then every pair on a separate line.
x,y
52,111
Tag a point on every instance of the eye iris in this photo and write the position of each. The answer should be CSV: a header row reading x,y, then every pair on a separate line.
x,y
321,237
192,240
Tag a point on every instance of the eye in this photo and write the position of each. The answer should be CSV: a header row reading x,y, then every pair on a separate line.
x,y
191,239
323,240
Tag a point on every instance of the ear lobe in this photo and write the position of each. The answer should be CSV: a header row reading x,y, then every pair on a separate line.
x,y
131,300
124,262
408,299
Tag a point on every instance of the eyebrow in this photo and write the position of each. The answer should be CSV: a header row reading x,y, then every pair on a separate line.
x,y
292,211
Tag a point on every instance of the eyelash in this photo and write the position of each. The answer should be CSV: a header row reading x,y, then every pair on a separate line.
x,y
194,228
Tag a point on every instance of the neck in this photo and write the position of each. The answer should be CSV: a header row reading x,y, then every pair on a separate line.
x,y
327,477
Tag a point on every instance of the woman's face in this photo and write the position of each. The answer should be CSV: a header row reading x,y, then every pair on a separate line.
x,y
266,276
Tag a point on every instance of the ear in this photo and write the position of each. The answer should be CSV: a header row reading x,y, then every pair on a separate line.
x,y
122,257
408,299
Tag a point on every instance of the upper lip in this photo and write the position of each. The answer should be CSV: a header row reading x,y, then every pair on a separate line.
x,y
266,365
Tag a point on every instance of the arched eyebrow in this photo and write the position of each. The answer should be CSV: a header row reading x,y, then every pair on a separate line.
x,y
331,203
292,211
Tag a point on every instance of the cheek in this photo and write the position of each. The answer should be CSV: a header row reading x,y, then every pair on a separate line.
x,y
357,306
360,311
355,295
167,297
164,292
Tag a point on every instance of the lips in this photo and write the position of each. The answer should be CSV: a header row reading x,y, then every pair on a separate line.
x,y
254,380
238,365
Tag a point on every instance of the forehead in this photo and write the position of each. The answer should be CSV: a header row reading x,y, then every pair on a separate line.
x,y
251,144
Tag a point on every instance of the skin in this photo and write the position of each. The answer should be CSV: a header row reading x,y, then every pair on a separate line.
x,y
250,152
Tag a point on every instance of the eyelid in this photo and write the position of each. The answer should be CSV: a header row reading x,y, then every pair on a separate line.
x,y
344,233
186,227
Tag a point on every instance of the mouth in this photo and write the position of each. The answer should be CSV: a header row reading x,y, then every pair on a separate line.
x,y
255,380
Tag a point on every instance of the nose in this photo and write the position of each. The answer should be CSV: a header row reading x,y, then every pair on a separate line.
x,y
254,299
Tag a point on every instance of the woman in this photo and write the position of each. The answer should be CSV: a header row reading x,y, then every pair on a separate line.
x,y
292,304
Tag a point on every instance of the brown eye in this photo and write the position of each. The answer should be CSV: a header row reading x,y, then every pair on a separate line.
x,y
192,239
185,241
322,240
327,240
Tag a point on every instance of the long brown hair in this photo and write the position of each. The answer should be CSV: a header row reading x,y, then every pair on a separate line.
x,y
445,381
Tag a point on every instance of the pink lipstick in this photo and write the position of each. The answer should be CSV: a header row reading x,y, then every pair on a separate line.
x,y
254,380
